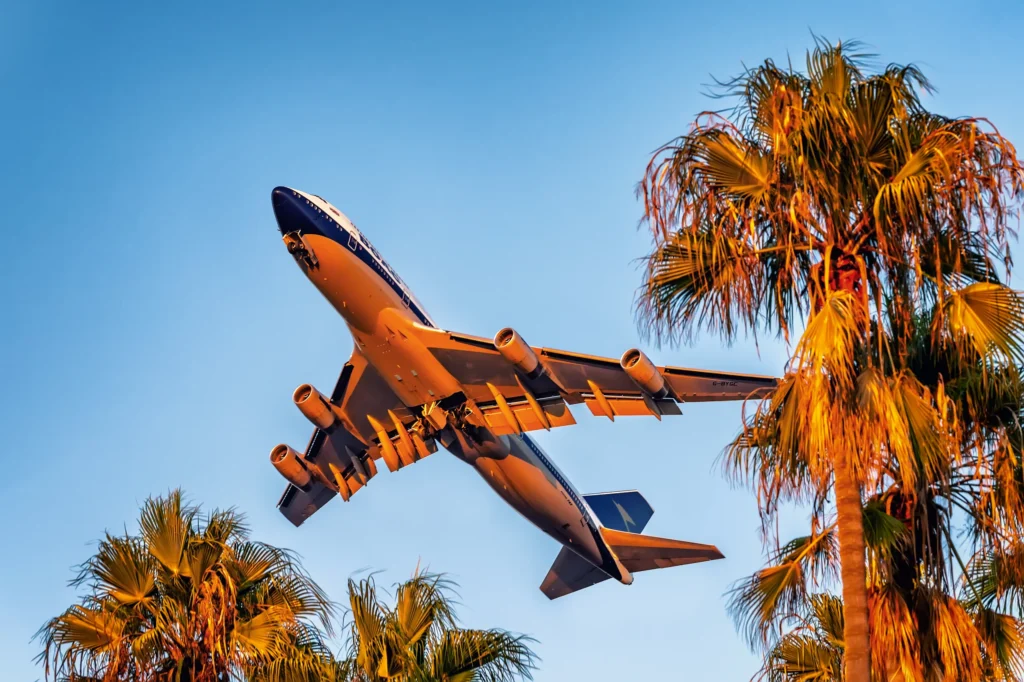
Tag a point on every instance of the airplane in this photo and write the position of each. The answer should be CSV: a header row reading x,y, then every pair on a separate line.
x,y
410,385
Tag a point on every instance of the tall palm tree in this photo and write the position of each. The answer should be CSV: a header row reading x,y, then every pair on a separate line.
x,y
418,639
945,568
190,598
920,632
834,199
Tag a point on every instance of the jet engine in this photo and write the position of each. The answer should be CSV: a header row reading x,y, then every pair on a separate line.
x,y
314,406
291,465
643,373
517,352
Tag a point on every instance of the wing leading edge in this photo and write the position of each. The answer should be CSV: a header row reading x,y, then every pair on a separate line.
x,y
514,400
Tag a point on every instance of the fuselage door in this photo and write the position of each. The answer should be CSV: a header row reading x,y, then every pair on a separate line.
x,y
353,243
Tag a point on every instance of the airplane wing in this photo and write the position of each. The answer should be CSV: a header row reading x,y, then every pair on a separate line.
x,y
369,415
513,400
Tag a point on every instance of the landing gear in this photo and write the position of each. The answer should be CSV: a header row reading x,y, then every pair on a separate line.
x,y
301,251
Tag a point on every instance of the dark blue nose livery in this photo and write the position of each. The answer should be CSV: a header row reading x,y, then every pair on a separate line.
x,y
296,213
293,212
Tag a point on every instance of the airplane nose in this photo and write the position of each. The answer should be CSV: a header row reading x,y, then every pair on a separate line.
x,y
289,211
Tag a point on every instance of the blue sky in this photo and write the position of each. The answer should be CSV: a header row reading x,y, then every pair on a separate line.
x,y
154,326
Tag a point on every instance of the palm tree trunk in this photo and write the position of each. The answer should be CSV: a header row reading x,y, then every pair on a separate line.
x,y
849,515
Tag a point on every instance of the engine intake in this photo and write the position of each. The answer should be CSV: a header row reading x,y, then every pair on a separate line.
x,y
517,352
643,373
314,406
291,465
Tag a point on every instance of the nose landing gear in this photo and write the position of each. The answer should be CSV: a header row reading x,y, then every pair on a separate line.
x,y
301,251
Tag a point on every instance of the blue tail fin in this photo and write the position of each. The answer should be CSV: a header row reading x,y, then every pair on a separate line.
x,y
626,510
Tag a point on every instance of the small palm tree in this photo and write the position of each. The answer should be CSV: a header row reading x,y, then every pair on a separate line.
x,y
419,641
835,200
190,598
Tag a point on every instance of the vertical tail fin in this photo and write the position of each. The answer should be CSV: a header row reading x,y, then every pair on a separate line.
x,y
626,510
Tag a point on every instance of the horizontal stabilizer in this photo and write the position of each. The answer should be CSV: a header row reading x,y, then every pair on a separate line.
x,y
645,553
570,573
626,510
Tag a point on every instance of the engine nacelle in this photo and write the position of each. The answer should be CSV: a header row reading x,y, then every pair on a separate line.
x,y
314,406
291,465
518,352
643,373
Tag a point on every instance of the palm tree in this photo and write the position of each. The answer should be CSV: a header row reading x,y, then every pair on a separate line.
x,y
419,641
190,598
834,199
919,633
945,568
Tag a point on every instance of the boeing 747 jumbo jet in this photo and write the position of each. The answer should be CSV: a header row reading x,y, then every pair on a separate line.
x,y
410,385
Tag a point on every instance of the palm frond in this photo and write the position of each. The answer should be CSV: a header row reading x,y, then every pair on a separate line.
x,y
894,634
802,658
987,317
122,569
705,278
761,603
484,655
420,603
1002,638
832,333
166,523
884,534
996,580
734,167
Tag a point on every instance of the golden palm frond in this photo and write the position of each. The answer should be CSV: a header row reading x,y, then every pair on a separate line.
x,y
1002,640
831,336
368,619
123,570
761,604
985,317
165,524
813,651
701,278
480,655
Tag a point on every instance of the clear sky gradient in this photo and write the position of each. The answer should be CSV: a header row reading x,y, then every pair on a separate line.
x,y
153,325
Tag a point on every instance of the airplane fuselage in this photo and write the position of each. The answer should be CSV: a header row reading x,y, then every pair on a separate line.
x,y
383,315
